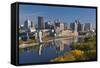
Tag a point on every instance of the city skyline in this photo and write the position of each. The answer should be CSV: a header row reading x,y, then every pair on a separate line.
x,y
65,14
56,34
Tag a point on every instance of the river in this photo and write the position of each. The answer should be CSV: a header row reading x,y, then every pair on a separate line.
x,y
45,52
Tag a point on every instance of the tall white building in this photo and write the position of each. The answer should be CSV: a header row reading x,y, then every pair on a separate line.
x,y
76,25
32,29
82,27
29,25
61,26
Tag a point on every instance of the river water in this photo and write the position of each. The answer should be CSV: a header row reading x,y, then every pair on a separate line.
x,y
45,52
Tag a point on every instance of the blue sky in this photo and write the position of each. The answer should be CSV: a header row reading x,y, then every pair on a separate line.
x,y
65,14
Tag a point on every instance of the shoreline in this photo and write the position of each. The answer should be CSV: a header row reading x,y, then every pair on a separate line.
x,y
58,38
34,44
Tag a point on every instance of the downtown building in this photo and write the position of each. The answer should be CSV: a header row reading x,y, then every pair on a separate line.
x,y
80,27
26,30
88,27
49,25
66,26
29,26
77,26
72,26
41,23
59,25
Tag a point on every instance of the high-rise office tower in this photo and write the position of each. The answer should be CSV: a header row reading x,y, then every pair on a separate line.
x,y
79,28
72,26
59,25
79,25
32,29
76,27
87,27
65,26
49,25
82,26
41,24
91,27
32,25
27,24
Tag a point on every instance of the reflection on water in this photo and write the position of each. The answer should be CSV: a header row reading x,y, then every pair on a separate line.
x,y
46,51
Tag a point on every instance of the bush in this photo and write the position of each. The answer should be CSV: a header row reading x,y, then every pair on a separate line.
x,y
66,57
90,54
84,46
78,54
81,51
74,55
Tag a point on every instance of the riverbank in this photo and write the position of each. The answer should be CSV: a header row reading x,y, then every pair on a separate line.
x,y
80,51
46,41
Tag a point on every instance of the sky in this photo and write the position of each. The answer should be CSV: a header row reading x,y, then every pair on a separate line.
x,y
51,13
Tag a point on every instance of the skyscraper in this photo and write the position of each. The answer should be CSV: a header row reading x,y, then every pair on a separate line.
x,y
41,24
75,26
72,26
49,25
59,24
79,28
87,27
32,29
91,27
65,26
83,27
27,24
32,25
